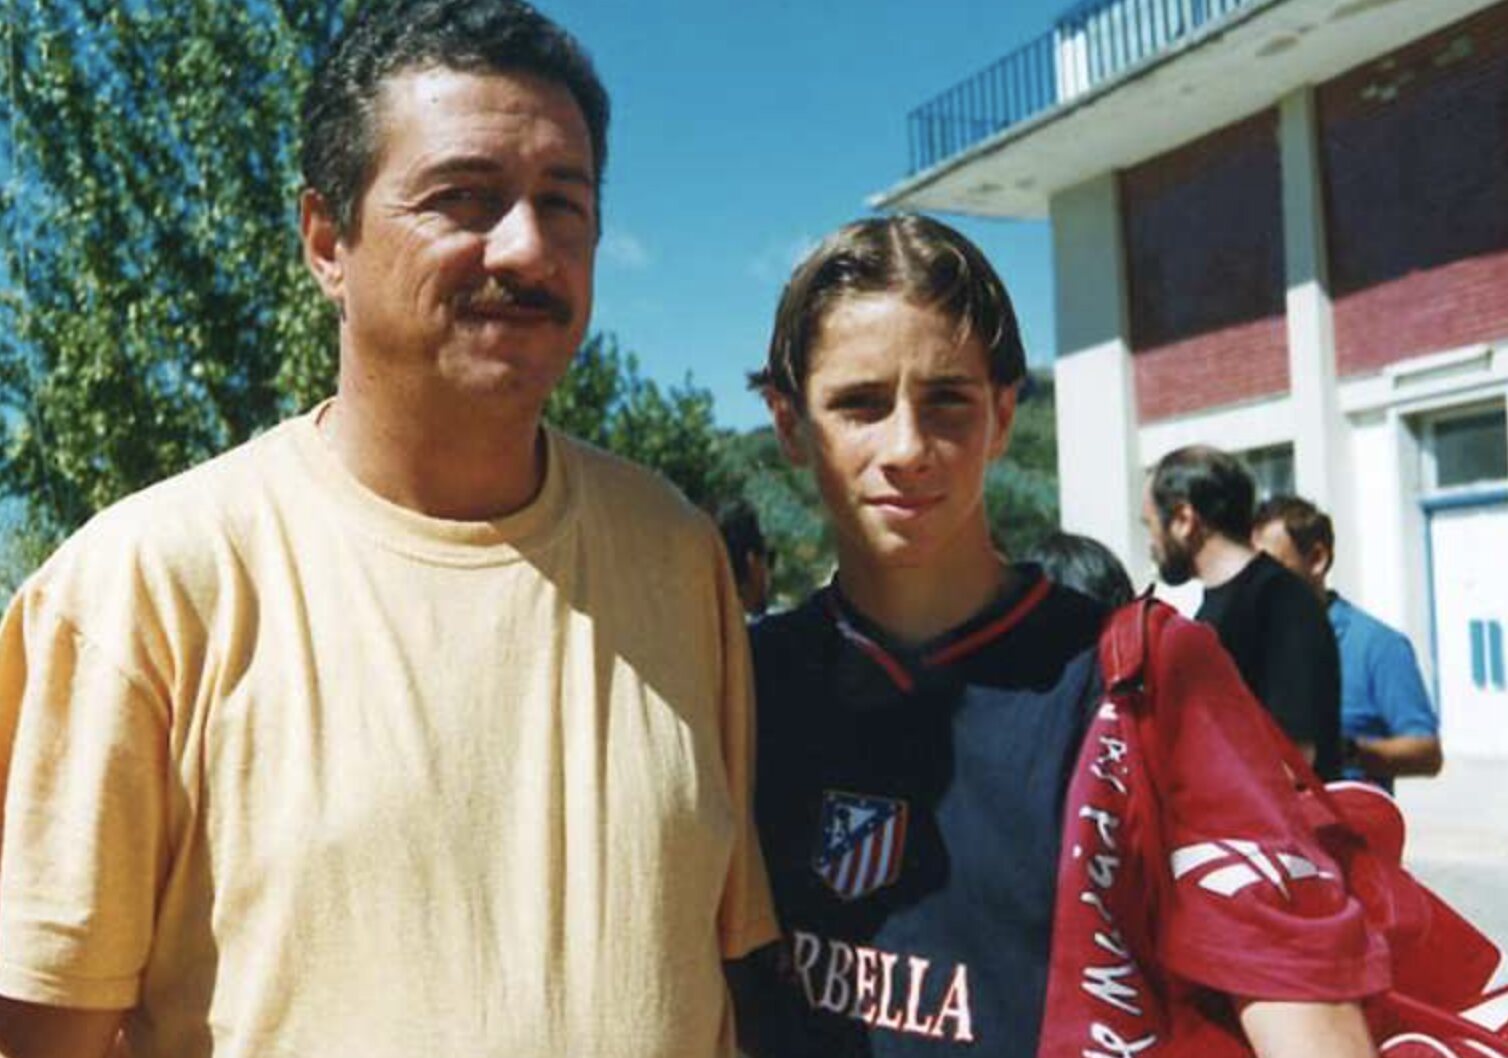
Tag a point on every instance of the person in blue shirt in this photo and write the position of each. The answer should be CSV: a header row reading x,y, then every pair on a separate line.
x,y
1387,722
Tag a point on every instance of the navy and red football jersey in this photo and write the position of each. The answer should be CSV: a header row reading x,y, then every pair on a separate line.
x,y
910,802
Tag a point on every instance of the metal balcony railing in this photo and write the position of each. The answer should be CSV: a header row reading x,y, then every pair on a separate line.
x,y
1091,43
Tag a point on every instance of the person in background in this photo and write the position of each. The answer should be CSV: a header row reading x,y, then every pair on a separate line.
x,y
1388,726
921,716
412,727
752,561
1197,509
1085,565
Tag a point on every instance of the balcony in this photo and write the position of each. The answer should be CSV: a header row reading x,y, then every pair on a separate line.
x,y
1092,43
1119,81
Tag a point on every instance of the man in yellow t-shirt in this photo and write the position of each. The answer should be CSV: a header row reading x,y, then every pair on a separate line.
x,y
411,727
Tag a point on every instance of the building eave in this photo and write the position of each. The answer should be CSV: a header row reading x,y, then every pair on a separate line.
x,y
1238,66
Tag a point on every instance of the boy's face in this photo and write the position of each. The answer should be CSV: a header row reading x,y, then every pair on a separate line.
x,y
901,422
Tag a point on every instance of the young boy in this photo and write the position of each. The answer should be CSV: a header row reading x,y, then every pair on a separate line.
x,y
921,716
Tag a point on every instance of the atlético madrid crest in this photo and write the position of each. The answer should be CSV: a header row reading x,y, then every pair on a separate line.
x,y
862,844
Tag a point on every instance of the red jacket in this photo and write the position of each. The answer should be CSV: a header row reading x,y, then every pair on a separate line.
x,y
1202,859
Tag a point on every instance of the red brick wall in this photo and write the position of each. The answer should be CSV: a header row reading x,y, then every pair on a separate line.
x,y
1414,149
1438,308
1235,363
1204,259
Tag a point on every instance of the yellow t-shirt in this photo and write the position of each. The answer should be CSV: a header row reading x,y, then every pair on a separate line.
x,y
292,771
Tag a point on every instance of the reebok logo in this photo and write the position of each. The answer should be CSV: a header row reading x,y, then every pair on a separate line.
x,y
1242,864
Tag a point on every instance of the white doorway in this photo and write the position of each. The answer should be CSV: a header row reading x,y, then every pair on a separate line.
x,y
1469,580
1466,472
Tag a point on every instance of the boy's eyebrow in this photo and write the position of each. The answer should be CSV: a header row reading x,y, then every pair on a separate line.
x,y
858,386
953,380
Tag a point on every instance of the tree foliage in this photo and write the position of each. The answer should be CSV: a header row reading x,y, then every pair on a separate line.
x,y
153,304
790,513
1021,490
604,400
154,308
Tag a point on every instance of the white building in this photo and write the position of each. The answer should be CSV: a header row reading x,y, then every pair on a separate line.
x,y
1281,227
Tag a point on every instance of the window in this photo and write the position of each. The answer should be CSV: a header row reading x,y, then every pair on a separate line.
x,y
1467,448
1271,468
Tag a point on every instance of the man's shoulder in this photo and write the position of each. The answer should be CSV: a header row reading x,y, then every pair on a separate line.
x,y
786,631
1267,574
175,522
1366,632
1357,617
1068,619
207,492
1274,587
794,652
623,492
157,552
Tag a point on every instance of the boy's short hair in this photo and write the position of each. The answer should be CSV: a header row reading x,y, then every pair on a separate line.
x,y
1305,523
916,257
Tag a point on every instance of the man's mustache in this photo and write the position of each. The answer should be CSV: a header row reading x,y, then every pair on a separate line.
x,y
495,294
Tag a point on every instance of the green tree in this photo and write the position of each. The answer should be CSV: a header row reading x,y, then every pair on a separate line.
x,y
153,304
603,399
1021,490
154,307
790,513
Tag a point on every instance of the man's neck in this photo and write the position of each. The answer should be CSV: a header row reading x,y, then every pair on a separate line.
x,y
915,604
445,465
1220,559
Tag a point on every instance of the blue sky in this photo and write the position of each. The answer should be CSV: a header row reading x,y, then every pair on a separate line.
x,y
742,132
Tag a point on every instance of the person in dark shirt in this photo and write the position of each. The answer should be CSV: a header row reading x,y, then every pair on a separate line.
x,y
1198,510
921,717
751,558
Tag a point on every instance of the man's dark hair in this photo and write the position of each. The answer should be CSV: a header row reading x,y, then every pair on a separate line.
x,y
1214,483
340,120
741,535
916,257
1085,565
1305,523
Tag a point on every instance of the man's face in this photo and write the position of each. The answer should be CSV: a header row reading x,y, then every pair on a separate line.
x,y
468,270
1272,537
1171,552
901,423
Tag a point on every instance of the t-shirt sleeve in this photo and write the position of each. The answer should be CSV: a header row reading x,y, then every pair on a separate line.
x,y
1398,689
83,761
1250,904
746,918
1303,675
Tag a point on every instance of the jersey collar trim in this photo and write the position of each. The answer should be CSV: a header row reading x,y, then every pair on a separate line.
x,y
900,664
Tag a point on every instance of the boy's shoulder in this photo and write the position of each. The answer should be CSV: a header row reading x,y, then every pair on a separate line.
x,y
790,638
